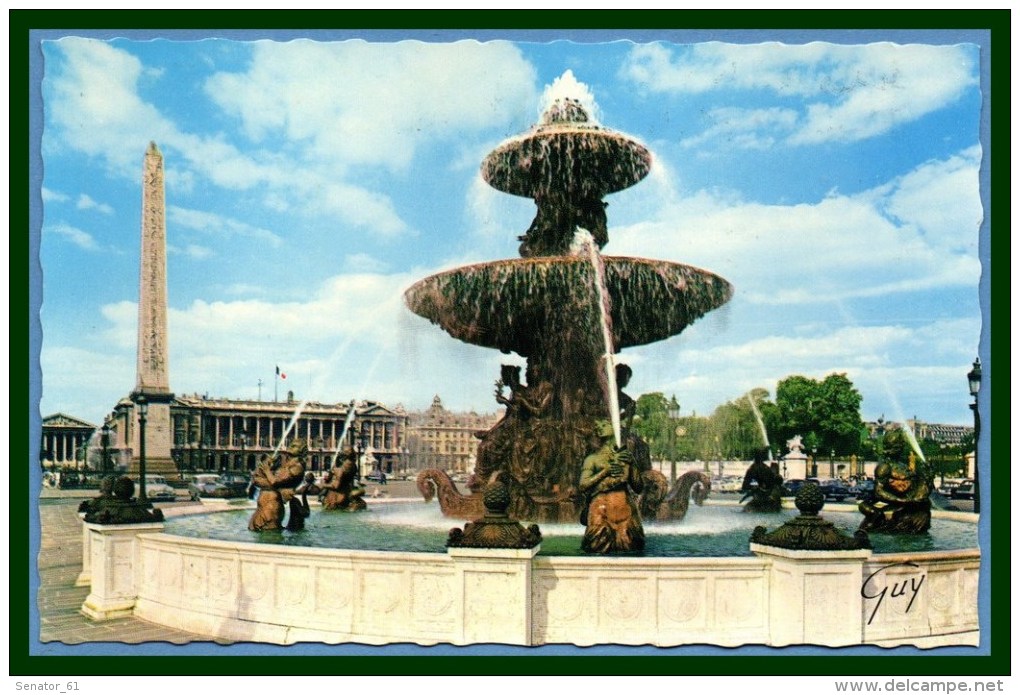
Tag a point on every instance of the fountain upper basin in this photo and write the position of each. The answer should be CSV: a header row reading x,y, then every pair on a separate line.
x,y
502,303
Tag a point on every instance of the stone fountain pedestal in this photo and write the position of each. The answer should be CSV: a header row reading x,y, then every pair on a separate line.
x,y
808,594
113,563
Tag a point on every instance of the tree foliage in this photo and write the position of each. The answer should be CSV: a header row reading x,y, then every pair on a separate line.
x,y
826,413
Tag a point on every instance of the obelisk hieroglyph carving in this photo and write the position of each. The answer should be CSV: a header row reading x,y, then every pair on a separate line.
x,y
153,380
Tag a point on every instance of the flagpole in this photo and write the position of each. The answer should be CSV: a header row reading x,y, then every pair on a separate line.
x,y
276,384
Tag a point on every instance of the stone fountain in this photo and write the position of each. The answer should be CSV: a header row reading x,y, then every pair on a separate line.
x,y
783,592
547,307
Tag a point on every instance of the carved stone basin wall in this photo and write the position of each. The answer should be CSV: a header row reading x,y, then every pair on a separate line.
x,y
260,592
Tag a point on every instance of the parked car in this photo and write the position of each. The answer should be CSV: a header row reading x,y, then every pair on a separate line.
x,y
791,486
863,489
963,491
208,485
236,483
834,490
157,489
729,483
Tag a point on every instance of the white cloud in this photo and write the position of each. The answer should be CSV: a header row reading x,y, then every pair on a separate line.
x,y
917,232
354,102
743,128
336,107
50,196
94,105
191,250
850,92
86,202
76,236
891,365
363,263
217,225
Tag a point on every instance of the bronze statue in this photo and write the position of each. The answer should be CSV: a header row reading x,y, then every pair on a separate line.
x,y
637,446
900,503
117,505
340,489
276,486
660,503
497,443
763,486
433,482
610,483
531,456
299,509
558,215
104,499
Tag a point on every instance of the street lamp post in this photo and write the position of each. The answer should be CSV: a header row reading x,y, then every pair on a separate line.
x,y
974,381
143,411
674,415
104,439
244,441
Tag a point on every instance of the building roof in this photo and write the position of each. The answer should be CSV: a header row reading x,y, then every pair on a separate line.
x,y
64,420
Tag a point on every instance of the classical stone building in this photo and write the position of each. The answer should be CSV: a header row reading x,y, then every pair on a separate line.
x,y
949,435
64,442
439,438
221,434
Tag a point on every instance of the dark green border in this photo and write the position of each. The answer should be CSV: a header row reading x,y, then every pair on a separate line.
x,y
430,23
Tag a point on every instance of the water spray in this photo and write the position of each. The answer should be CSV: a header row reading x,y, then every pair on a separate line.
x,y
343,433
761,425
584,241
290,426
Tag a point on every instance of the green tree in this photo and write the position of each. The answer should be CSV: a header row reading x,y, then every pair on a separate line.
x,y
735,426
825,413
839,415
651,423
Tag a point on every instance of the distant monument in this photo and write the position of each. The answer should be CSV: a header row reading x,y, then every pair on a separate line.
x,y
795,463
153,380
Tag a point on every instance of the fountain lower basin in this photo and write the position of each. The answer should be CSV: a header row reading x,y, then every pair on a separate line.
x,y
713,530
233,590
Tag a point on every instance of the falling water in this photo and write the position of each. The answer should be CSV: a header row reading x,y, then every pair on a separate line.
x,y
290,426
583,240
761,424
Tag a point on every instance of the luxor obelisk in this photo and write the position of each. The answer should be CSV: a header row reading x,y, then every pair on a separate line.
x,y
153,379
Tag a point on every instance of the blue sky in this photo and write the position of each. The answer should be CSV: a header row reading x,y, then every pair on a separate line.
x,y
310,183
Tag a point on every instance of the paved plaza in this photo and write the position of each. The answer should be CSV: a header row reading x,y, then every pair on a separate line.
x,y
59,564
59,600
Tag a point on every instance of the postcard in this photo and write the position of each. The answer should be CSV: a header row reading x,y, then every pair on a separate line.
x,y
516,343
